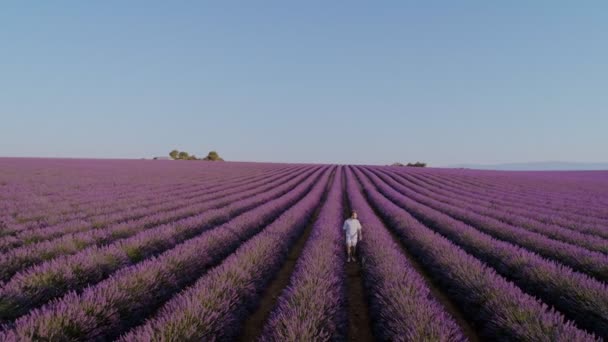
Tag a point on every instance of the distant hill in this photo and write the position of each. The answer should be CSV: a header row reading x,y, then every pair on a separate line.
x,y
536,166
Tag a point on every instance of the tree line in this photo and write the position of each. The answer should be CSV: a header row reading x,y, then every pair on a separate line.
x,y
416,164
183,155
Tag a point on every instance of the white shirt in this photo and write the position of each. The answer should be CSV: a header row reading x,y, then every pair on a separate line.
x,y
351,226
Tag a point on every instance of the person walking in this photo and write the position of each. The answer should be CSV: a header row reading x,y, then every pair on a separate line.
x,y
352,228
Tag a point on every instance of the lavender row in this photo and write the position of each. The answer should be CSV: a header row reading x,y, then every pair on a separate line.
x,y
41,283
313,306
222,299
70,243
590,242
592,263
524,201
82,205
517,189
161,202
82,214
71,181
498,307
543,201
21,202
401,303
580,297
581,188
20,258
554,216
103,311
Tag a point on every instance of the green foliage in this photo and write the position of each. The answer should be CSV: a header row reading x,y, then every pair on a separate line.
x,y
416,164
213,156
98,224
135,254
183,155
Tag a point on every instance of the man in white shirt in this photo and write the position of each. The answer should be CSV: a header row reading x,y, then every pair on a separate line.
x,y
352,228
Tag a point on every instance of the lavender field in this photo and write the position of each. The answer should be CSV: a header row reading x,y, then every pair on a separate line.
x,y
143,250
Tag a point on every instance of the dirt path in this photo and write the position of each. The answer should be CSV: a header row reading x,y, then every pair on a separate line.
x,y
468,328
359,322
253,326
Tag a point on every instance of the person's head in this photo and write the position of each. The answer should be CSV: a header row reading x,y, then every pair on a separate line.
x,y
353,214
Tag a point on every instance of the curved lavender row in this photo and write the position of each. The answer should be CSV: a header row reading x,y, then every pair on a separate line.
x,y
221,299
139,208
499,308
64,209
582,224
590,242
525,211
96,173
15,223
313,306
580,297
63,234
165,203
400,301
19,259
92,205
18,235
63,200
105,310
592,263
573,187
87,190
226,173
51,279
536,200
96,205
517,189
54,193
518,199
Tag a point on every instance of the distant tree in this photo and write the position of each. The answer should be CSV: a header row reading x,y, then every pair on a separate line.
x,y
397,164
183,155
213,156
416,164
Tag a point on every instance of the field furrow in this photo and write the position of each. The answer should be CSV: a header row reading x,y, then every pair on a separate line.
x,y
22,258
580,297
497,306
587,241
46,281
592,263
185,250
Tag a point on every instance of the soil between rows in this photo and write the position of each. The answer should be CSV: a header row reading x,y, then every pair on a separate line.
x,y
468,328
359,322
254,324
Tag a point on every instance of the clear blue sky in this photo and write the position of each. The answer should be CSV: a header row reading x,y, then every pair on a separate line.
x,y
319,81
